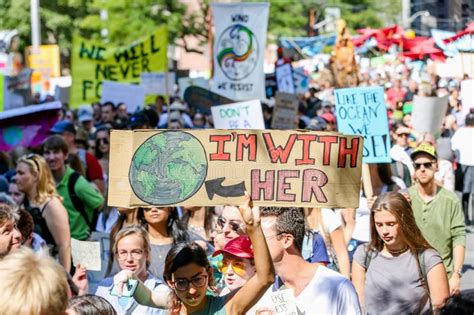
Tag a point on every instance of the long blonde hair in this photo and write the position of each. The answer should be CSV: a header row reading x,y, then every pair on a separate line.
x,y
45,188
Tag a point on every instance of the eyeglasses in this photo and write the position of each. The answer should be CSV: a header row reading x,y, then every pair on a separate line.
x,y
103,140
197,282
427,165
274,235
237,266
32,156
234,225
136,254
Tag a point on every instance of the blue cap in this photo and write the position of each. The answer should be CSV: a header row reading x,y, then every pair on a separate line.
x,y
62,126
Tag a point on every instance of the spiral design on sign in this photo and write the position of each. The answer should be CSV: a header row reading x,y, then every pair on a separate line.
x,y
229,53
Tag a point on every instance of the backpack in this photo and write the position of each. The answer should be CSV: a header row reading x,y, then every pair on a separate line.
x,y
78,204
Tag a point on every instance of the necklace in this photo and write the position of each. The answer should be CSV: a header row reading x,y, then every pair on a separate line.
x,y
396,252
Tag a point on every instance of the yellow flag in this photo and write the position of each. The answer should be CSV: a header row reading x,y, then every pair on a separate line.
x,y
94,62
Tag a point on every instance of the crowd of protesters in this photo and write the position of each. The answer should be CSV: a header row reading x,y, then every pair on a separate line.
x,y
402,251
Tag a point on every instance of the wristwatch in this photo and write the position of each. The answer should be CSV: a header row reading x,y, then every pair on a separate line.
x,y
459,272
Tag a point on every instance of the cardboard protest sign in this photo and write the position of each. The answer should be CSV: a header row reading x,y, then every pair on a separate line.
x,y
283,302
362,111
467,96
284,77
284,111
428,114
214,167
185,83
94,62
45,59
242,115
239,47
131,94
86,253
27,126
202,99
155,83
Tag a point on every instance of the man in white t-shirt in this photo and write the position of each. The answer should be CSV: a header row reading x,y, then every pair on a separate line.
x,y
317,289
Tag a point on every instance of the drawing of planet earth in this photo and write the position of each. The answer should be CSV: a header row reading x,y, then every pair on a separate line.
x,y
168,168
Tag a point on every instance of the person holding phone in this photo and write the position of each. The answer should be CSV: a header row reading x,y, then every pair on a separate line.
x,y
189,274
132,251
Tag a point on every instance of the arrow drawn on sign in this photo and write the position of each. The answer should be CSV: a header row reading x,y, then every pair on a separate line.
x,y
214,187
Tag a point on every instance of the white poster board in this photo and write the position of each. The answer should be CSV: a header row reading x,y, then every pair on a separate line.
x,y
242,115
86,253
154,83
301,80
428,114
284,76
131,94
467,96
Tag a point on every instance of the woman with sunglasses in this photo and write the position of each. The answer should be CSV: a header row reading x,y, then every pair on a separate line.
x,y
41,200
132,252
238,264
102,149
398,272
165,230
188,273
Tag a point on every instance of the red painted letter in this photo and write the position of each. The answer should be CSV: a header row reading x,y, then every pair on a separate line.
x,y
344,150
266,185
220,155
313,180
328,141
307,139
278,153
249,142
283,186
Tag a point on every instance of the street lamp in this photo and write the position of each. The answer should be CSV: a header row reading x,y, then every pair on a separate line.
x,y
415,16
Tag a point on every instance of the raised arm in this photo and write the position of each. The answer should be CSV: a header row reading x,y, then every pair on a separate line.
x,y
58,224
339,245
142,294
256,286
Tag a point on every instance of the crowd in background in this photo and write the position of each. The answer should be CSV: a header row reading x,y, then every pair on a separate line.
x,y
197,254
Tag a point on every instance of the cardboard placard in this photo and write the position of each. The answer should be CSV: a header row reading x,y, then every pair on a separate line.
x,y
284,76
428,114
45,59
86,253
362,111
131,94
301,80
285,111
283,302
215,167
155,83
241,115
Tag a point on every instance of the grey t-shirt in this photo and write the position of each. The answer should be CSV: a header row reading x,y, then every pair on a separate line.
x,y
393,284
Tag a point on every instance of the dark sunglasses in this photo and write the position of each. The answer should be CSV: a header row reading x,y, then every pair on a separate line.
x,y
427,165
221,221
103,140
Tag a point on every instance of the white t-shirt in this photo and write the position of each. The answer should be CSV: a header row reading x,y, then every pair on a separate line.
x,y
362,221
330,220
327,293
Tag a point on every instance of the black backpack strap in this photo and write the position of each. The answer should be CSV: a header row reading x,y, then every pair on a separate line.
x,y
76,201
368,258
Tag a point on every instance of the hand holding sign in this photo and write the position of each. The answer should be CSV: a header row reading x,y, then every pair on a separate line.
x,y
250,214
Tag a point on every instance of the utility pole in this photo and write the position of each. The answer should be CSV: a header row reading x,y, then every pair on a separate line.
x,y
35,23
311,22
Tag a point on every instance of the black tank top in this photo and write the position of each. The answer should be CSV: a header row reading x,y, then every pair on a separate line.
x,y
40,226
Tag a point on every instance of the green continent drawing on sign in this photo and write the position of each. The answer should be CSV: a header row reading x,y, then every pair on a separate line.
x,y
168,168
